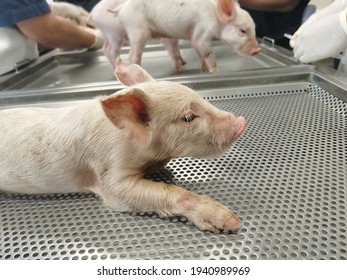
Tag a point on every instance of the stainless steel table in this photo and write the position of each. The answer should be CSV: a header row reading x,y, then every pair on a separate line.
x,y
285,177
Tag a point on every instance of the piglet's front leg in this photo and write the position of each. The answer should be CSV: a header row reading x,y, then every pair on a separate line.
x,y
173,50
206,213
137,41
207,58
143,195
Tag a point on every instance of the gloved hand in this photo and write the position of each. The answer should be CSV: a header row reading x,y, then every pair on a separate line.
x,y
333,8
75,14
322,38
99,39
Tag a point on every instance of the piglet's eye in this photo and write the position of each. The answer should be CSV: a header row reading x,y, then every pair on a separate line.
x,y
243,31
188,118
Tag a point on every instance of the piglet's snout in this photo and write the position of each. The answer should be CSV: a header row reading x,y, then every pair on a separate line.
x,y
255,51
229,129
240,124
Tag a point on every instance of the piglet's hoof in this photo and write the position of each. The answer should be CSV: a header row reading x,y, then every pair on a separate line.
x,y
208,214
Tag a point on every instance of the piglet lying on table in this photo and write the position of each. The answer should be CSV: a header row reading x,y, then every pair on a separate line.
x,y
200,21
105,146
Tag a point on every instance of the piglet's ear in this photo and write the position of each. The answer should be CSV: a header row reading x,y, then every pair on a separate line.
x,y
128,110
131,74
226,10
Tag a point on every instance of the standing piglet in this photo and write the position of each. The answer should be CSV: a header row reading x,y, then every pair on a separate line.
x,y
106,145
200,21
103,16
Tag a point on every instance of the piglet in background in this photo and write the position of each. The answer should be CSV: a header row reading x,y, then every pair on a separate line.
x,y
107,144
115,36
113,32
200,21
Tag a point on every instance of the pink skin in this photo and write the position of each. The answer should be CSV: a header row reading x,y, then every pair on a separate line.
x,y
113,32
255,51
242,125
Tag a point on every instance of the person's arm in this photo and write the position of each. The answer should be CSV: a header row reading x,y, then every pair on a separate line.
x,y
270,5
51,31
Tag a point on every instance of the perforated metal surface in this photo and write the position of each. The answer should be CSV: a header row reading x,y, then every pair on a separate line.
x,y
285,177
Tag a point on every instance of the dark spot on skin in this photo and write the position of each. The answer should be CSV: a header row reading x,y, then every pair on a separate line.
x,y
207,54
182,4
104,171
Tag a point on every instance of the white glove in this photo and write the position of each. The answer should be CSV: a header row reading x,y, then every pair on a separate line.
x,y
75,14
335,7
322,38
99,39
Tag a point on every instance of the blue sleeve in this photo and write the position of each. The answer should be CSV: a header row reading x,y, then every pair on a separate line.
x,y
13,11
86,4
